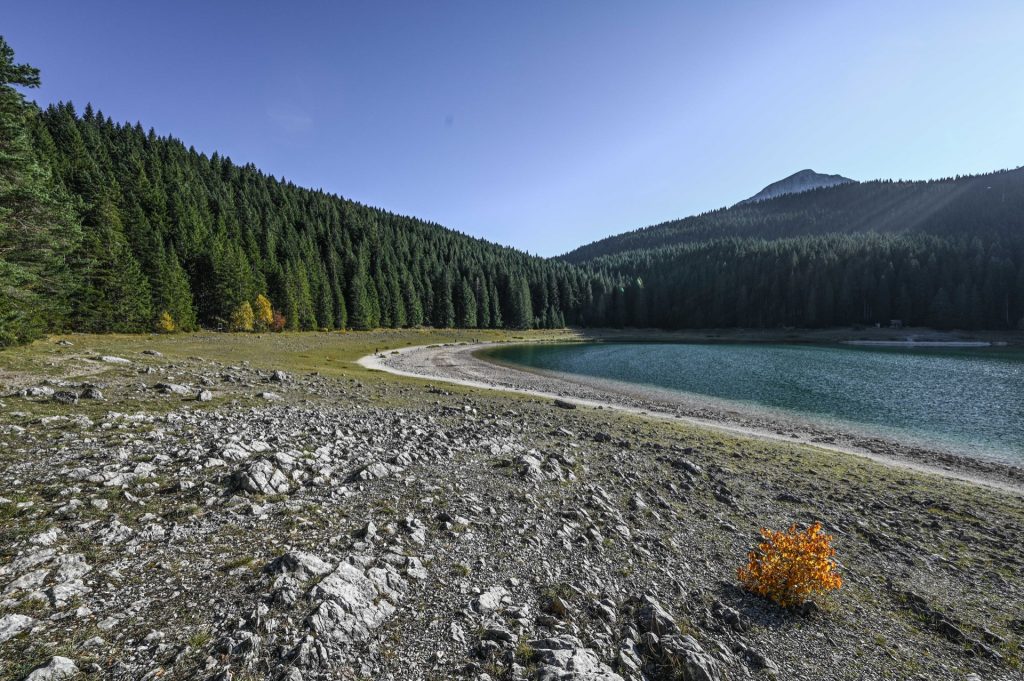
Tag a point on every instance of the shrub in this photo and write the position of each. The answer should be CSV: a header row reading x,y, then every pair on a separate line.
x,y
242,318
791,567
264,313
278,324
165,323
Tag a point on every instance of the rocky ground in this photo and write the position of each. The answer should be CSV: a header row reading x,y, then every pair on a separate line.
x,y
171,510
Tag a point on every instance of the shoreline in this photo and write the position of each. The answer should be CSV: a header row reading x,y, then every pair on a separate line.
x,y
460,364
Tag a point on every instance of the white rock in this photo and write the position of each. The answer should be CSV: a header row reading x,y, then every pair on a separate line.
x,y
490,600
263,477
12,625
352,605
299,564
62,594
57,668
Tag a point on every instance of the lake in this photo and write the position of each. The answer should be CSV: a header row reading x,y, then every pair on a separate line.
x,y
965,400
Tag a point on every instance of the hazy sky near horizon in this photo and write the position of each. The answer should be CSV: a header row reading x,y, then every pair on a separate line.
x,y
547,125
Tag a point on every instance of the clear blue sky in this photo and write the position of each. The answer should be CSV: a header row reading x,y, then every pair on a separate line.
x,y
546,125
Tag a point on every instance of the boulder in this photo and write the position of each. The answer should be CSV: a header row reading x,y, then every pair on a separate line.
x,y
490,600
529,467
686,654
38,391
14,624
565,658
65,397
172,389
57,668
351,605
653,618
262,477
298,564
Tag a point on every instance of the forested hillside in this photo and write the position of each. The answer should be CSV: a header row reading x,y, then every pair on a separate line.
x,y
108,227
946,253
991,204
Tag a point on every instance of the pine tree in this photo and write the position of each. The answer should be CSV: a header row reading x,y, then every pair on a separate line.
x,y
414,307
304,297
360,311
37,225
483,303
465,308
497,321
172,293
444,306
113,295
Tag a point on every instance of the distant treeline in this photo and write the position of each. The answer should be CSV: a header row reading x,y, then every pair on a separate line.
x,y
831,280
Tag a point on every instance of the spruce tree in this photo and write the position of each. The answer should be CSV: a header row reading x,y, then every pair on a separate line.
x,y
444,306
414,307
172,292
37,225
466,306
360,312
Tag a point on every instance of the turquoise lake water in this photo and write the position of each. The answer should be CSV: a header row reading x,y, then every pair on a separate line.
x,y
966,400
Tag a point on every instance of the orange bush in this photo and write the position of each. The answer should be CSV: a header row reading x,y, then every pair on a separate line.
x,y
790,567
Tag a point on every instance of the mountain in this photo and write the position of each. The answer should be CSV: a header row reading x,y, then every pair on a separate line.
x,y
802,181
974,204
944,253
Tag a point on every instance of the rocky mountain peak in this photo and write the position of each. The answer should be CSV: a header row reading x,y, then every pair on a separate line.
x,y
801,181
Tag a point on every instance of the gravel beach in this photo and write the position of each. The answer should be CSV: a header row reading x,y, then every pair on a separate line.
x,y
466,364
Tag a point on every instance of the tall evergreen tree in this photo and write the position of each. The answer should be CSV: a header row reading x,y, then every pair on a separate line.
x,y
465,307
37,225
444,305
172,293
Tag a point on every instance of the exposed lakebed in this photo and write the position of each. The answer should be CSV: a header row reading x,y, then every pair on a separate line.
x,y
965,400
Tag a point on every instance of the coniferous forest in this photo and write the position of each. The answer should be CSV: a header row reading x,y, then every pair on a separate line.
x,y
111,228
108,227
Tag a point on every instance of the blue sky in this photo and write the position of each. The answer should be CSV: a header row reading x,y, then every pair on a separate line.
x,y
547,125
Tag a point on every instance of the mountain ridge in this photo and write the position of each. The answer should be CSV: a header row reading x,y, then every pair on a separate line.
x,y
936,206
799,182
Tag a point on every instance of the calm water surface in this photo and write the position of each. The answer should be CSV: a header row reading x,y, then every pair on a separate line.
x,y
966,400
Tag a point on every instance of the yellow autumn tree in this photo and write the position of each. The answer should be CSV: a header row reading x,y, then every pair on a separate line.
x,y
264,313
242,318
165,323
791,567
